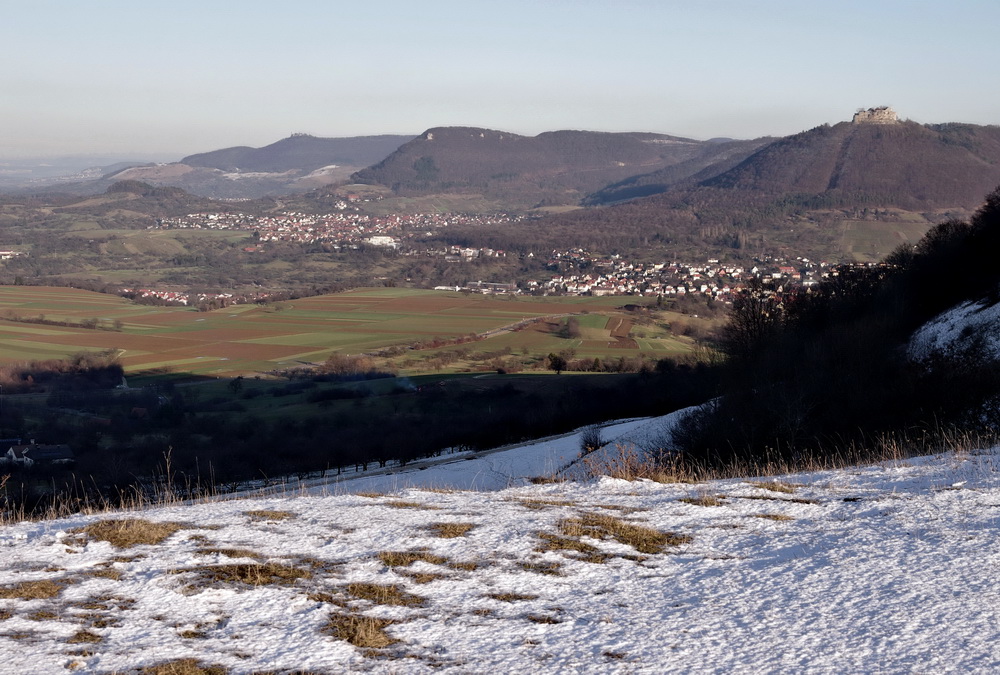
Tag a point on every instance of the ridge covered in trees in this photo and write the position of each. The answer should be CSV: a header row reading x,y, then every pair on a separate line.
x,y
811,372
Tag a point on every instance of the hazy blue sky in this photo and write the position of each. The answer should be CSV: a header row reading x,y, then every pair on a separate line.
x,y
164,79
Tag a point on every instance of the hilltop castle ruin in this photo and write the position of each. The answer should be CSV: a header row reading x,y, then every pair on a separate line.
x,y
881,115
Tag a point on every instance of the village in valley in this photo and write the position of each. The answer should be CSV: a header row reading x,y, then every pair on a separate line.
x,y
574,271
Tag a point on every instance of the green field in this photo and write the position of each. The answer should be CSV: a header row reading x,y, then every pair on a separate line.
x,y
249,339
868,241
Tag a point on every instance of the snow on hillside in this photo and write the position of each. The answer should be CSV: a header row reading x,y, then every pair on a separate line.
x,y
888,568
970,325
505,467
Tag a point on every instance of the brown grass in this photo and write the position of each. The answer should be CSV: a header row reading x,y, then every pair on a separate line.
x,y
546,480
193,634
641,538
793,500
404,558
773,516
511,597
450,530
230,552
703,500
544,503
183,667
106,573
424,577
628,463
541,567
84,637
253,574
360,631
264,514
385,594
777,486
130,532
542,618
32,590
465,565
43,615
402,504
588,552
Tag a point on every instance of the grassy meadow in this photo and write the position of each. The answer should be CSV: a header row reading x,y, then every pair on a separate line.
x,y
251,339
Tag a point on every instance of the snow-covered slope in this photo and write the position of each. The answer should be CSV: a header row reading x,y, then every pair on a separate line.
x,y
971,326
888,568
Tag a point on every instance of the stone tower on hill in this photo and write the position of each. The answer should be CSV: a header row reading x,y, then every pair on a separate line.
x,y
881,115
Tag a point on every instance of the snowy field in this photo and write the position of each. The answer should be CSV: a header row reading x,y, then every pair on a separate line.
x,y
882,569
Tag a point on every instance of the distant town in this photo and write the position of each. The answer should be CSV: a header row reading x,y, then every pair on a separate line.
x,y
573,271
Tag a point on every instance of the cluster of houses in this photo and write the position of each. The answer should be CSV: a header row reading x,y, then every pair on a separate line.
x,y
27,455
345,227
193,299
583,273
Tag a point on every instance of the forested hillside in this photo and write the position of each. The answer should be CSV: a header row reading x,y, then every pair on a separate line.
x,y
557,167
825,371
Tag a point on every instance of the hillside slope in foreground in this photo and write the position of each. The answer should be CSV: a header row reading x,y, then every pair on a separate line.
x,y
887,568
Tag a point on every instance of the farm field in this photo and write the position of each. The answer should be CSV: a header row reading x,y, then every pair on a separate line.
x,y
867,241
251,339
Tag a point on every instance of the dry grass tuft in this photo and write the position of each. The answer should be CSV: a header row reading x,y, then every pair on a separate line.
x,y
404,558
543,503
450,530
371,495
183,667
511,597
5,614
264,514
641,538
588,552
402,504
32,590
542,618
628,463
104,602
546,480
230,552
424,577
385,594
106,573
43,615
130,532
464,566
703,500
773,516
360,631
253,574
84,637
777,486
793,500
193,634
541,567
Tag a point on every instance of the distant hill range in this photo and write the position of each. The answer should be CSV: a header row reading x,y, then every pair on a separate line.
x,y
553,168
851,190
295,164
300,153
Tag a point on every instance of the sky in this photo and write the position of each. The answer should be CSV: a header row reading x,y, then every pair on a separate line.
x,y
164,79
